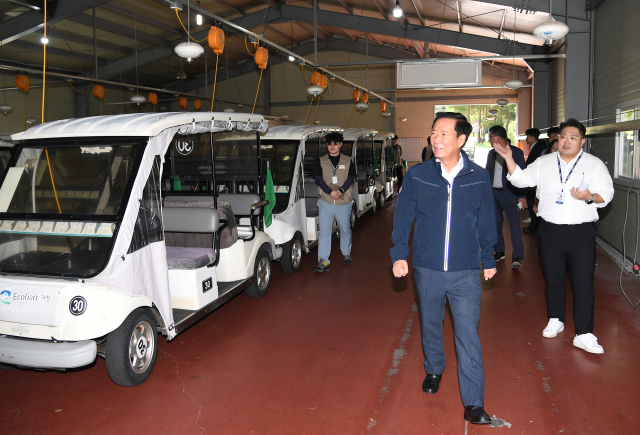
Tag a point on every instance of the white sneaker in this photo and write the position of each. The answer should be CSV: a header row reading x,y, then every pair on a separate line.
x,y
554,327
588,342
527,221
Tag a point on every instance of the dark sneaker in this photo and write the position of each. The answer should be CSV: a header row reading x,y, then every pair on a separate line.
x,y
348,260
498,256
515,263
322,266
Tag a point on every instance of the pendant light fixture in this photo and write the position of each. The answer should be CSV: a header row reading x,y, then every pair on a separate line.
x,y
397,11
502,102
494,112
513,83
189,50
551,30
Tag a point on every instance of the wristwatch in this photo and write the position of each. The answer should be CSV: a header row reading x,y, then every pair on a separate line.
x,y
593,196
342,191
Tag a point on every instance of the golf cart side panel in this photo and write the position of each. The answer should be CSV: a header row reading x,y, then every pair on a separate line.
x,y
237,261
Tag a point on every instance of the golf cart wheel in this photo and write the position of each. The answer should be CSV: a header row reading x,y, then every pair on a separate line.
x,y
132,349
380,200
261,273
373,209
292,254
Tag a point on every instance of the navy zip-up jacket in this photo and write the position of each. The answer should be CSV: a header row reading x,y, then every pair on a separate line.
x,y
472,232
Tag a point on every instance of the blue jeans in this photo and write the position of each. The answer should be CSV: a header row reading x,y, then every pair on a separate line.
x,y
342,215
463,289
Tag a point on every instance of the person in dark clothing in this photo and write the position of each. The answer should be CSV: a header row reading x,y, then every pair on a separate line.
x,y
508,199
397,153
553,133
450,201
427,152
334,174
535,150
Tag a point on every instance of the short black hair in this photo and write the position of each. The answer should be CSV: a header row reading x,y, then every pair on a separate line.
x,y
334,137
533,132
553,130
498,130
509,141
576,124
462,125
429,140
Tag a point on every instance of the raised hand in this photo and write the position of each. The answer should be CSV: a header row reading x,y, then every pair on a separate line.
x,y
503,151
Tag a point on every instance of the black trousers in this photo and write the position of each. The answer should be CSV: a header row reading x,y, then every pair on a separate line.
x,y
399,176
572,246
531,200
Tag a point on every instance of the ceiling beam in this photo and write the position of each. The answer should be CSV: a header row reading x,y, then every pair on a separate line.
x,y
420,49
346,5
504,15
459,20
416,6
323,36
58,52
85,40
33,21
414,32
232,7
381,9
143,18
121,30
351,34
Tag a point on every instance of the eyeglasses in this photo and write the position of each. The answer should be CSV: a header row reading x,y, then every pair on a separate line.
x,y
570,138
331,144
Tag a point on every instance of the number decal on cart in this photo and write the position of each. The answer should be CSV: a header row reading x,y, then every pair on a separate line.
x,y
207,285
78,305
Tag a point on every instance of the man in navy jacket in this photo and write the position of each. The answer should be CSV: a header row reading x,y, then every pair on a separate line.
x,y
450,199
506,196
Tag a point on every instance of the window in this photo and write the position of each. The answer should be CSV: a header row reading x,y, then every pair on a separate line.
x,y
627,156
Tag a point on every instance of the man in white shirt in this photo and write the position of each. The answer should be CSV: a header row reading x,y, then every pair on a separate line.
x,y
572,185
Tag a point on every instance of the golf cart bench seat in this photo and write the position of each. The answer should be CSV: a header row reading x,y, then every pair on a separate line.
x,y
190,220
191,239
311,198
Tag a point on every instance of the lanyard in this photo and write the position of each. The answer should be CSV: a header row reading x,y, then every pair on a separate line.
x,y
569,174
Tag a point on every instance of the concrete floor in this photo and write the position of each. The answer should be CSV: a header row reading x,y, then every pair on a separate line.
x,y
339,353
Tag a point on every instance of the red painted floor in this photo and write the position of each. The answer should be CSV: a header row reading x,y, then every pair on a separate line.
x,y
339,353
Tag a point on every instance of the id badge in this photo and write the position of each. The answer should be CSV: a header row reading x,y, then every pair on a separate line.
x,y
334,179
560,198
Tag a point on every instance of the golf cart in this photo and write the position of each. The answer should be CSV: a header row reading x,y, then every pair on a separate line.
x,y
383,145
295,225
94,261
361,143
6,151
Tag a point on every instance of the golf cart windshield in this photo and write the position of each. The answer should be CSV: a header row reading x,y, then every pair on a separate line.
x,y
237,162
60,206
281,155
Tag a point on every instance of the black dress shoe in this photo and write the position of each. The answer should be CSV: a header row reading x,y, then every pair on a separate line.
x,y
431,384
476,415
499,256
529,230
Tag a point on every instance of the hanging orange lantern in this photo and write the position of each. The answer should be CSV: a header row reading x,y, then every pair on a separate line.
x,y
365,98
197,103
153,98
315,78
216,39
183,102
383,106
323,82
22,82
356,96
261,57
98,92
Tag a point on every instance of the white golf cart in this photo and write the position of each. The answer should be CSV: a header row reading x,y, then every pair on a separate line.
x,y
360,141
91,260
383,146
6,151
295,225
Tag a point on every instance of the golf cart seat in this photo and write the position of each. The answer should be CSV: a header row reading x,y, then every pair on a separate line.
x,y
311,198
190,220
191,239
241,204
363,181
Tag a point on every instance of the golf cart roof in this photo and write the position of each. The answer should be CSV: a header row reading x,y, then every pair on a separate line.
x,y
140,124
383,135
299,132
356,133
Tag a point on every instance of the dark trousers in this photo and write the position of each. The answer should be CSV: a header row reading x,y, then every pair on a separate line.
x,y
463,289
531,201
399,176
507,202
572,246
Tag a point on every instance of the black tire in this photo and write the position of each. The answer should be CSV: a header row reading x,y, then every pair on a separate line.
x,y
380,200
7,367
131,350
291,259
261,273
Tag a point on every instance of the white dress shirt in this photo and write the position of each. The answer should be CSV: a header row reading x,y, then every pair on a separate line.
x,y
454,171
544,174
